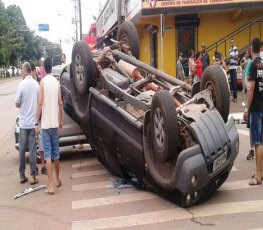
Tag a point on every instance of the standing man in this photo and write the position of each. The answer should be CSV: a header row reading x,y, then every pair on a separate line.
x,y
233,58
205,57
63,60
179,67
26,100
39,135
50,104
255,108
42,71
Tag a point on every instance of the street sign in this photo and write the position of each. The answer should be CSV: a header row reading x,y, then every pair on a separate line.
x,y
43,27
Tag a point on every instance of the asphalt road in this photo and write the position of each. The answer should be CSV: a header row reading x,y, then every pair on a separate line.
x,y
89,200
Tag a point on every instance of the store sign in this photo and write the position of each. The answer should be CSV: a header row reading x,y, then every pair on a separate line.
x,y
43,27
184,3
107,18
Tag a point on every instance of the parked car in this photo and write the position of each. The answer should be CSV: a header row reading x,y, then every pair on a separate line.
x,y
177,141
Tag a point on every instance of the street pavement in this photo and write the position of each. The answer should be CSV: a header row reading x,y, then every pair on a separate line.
x,y
89,199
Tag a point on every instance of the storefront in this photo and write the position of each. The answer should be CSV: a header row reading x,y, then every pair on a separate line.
x,y
168,27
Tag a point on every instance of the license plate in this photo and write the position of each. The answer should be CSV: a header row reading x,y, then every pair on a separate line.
x,y
219,161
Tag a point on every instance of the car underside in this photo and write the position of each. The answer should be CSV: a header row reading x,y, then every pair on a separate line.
x,y
150,128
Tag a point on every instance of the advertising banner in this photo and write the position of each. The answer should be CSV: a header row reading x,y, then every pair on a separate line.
x,y
186,3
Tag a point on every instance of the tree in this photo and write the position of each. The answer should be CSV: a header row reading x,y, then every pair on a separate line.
x,y
3,37
18,43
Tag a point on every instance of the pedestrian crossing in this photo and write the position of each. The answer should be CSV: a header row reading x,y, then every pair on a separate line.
x,y
131,208
172,214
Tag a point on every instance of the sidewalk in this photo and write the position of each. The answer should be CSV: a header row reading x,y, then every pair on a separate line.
x,y
237,107
6,79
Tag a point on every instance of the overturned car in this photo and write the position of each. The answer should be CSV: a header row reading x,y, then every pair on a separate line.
x,y
168,136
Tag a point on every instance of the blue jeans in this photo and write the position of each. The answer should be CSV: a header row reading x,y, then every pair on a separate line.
x,y
50,141
256,128
27,138
233,83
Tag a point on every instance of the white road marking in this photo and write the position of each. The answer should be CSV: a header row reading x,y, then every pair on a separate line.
x,y
170,215
117,199
234,185
89,186
243,132
92,162
233,169
89,173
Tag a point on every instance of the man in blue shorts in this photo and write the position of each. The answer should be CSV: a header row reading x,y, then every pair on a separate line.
x,y
50,104
255,107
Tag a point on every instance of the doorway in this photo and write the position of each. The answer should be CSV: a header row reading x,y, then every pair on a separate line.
x,y
154,48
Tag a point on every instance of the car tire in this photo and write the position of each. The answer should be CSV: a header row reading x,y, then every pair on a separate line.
x,y
82,67
163,140
164,128
214,79
80,100
128,34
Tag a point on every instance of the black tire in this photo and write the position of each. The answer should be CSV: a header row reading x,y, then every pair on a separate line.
x,y
82,67
161,154
165,134
214,79
127,32
79,103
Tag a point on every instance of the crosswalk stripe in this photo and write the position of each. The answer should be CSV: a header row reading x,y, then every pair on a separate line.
x,y
89,186
229,185
89,173
170,215
243,132
110,200
86,163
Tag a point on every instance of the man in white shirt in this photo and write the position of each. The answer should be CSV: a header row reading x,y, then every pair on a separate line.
x,y
50,104
26,100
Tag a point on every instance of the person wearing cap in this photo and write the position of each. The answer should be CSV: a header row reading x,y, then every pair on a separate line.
x,y
205,57
42,69
179,67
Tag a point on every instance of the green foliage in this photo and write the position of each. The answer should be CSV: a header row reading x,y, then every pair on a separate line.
x,y
18,43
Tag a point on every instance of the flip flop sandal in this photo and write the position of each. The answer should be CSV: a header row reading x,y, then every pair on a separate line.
x,y
49,193
59,184
255,175
254,181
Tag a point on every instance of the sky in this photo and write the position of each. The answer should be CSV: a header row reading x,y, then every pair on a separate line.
x,y
58,14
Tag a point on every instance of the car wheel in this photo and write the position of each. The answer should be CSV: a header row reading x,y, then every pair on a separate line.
x,y
81,61
128,34
215,81
163,140
82,67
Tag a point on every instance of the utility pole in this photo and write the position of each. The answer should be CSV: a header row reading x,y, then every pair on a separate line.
x,y
78,18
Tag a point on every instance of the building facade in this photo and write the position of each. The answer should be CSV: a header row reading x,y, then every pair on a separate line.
x,y
166,27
